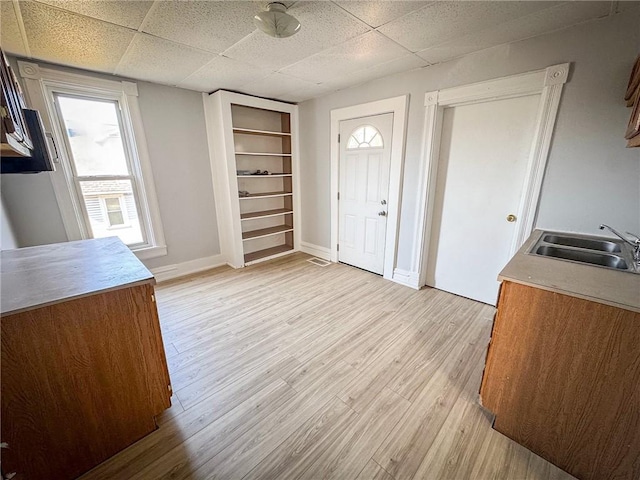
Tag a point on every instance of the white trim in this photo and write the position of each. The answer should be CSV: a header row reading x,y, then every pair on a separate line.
x,y
406,278
548,83
399,107
316,250
169,272
39,83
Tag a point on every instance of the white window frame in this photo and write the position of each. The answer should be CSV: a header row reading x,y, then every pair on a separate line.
x,y
123,209
40,85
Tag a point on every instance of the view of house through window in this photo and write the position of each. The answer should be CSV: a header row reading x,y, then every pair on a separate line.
x,y
101,169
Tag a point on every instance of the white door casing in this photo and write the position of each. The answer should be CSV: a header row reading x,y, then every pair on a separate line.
x,y
399,107
480,181
364,189
548,83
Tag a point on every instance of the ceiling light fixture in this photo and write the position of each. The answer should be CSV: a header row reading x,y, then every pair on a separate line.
x,y
276,22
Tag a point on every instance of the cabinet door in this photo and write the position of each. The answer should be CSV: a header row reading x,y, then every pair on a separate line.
x,y
632,98
14,129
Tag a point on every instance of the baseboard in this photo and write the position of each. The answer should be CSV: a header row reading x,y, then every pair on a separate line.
x,y
407,278
316,250
177,270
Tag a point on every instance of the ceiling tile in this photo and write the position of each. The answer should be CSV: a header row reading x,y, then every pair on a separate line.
x,y
538,23
121,12
402,64
10,35
63,37
158,60
305,93
361,52
323,25
223,72
443,21
276,84
209,25
378,13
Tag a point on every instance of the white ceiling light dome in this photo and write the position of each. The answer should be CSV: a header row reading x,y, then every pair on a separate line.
x,y
276,22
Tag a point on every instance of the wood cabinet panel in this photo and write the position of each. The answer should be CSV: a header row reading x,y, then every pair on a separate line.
x,y
81,380
15,140
562,377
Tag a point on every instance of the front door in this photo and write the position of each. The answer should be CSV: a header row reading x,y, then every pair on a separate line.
x,y
365,158
484,151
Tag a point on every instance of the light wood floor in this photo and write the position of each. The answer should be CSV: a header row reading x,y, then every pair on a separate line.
x,y
290,370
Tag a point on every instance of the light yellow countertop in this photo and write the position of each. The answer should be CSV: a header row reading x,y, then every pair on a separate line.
x,y
35,277
597,284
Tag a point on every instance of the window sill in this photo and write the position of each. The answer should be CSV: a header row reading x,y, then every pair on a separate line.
x,y
150,252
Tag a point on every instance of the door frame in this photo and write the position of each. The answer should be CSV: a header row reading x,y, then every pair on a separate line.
x,y
548,83
399,107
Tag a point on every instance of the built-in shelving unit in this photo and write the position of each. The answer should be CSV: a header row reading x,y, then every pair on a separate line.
x,y
250,136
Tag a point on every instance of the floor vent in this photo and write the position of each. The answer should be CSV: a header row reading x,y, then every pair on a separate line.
x,y
319,262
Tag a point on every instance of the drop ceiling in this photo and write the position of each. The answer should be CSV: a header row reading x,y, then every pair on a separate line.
x,y
209,45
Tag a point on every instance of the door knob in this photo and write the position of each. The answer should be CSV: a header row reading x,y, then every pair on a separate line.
x,y
383,202
382,214
511,218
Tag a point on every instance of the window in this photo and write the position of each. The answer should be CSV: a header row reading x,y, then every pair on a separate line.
x,y
103,184
100,165
366,136
115,214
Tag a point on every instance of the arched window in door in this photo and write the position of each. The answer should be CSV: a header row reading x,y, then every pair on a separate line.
x,y
365,136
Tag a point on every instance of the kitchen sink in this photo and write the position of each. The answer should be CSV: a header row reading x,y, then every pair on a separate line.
x,y
585,249
601,259
600,245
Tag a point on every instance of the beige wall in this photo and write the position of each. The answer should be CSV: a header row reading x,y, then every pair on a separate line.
x,y
591,178
176,136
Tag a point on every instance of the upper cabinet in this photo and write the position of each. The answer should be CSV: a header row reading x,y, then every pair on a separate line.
x,y
253,146
15,135
632,98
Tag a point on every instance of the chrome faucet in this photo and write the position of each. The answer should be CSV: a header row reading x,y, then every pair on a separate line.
x,y
634,244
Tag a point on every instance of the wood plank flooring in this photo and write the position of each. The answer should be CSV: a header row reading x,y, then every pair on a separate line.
x,y
288,370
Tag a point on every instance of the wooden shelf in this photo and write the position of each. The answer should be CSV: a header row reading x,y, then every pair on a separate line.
x,y
266,253
250,131
263,154
266,195
265,232
265,213
275,175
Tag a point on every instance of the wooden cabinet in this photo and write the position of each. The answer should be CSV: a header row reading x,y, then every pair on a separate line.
x,y
82,378
632,97
14,139
562,376
254,163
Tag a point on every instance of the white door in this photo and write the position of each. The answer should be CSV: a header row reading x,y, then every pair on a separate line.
x,y
484,150
365,158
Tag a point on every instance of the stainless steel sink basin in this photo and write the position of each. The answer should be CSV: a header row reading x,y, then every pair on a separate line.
x,y
601,259
586,249
600,245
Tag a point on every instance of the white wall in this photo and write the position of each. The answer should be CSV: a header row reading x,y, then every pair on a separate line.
x,y
591,178
7,236
174,125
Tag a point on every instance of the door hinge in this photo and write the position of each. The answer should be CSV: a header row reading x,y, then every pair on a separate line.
x,y
338,138
338,195
338,247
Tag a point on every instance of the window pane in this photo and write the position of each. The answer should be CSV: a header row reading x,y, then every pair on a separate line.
x,y
93,130
111,208
366,136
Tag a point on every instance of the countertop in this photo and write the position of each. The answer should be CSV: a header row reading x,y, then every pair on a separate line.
x,y
35,277
597,284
